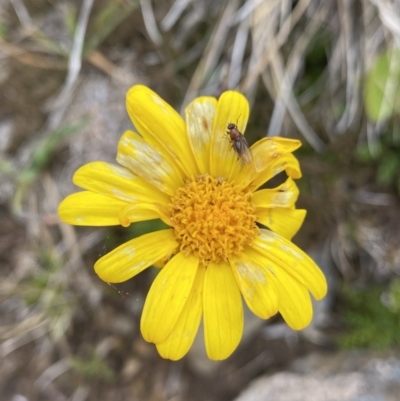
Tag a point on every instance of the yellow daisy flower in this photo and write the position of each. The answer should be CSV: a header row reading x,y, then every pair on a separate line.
x,y
214,254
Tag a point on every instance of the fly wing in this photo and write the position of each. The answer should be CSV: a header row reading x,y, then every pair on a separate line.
x,y
243,151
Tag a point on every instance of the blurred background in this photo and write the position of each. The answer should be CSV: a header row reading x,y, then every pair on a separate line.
x,y
324,71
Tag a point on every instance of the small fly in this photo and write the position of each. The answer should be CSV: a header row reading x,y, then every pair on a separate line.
x,y
239,144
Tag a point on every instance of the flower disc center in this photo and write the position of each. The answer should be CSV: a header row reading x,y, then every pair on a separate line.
x,y
213,218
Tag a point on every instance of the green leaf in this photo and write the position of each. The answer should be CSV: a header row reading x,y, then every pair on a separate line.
x,y
382,97
371,323
388,169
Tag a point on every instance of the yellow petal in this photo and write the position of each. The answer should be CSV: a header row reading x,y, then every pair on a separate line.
x,y
179,341
287,163
167,297
266,150
161,127
148,163
162,262
294,303
294,300
199,122
285,222
232,107
257,288
285,195
134,256
270,157
118,182
90,209
223,311
293,260
135,212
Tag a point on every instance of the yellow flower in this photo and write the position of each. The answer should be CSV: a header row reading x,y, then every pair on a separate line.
x,y
214,254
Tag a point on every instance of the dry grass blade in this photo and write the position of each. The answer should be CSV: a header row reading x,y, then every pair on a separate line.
x,y
174,13
251,9
279,39
353,68
22,13
30,58
389,16
238,51
341,250
150,22
100,61
74,67
294,109
52,372
212,52
284,81
31,328
263,27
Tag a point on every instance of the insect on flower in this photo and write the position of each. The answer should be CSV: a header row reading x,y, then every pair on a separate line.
x,y
239,144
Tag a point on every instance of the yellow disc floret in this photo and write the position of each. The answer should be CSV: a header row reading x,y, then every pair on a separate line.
x,y
213,219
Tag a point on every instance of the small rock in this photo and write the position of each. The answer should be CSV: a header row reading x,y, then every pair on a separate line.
x,y
130,370
341,376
